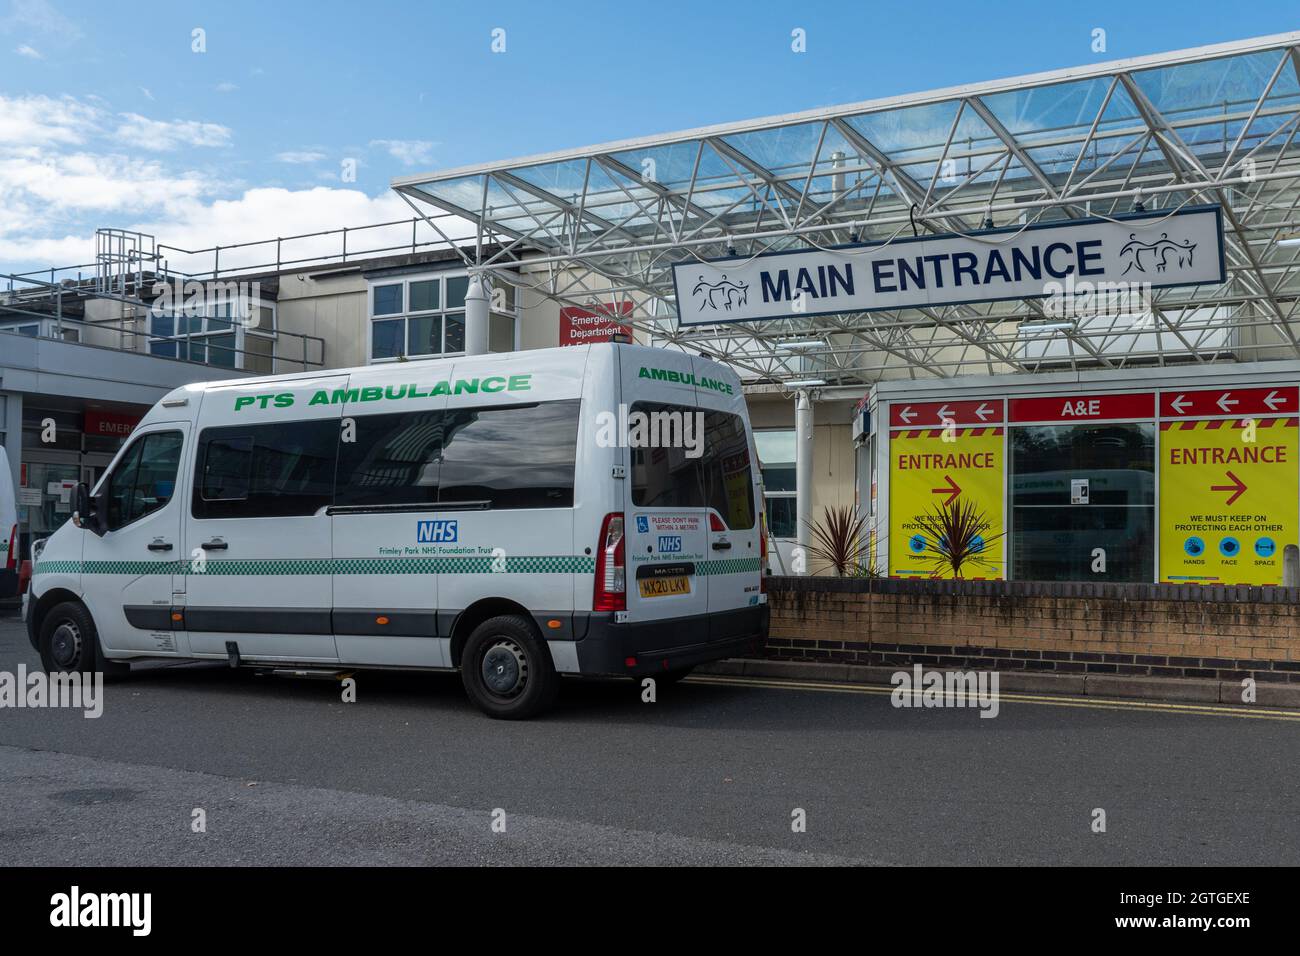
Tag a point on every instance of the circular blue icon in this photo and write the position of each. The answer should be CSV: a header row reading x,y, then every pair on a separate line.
x,y
1194,546
1264,547
1229,547
917,543
977,544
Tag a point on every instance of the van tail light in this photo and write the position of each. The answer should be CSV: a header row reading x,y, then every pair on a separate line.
x,y
762,552
611,567
715,523
11,560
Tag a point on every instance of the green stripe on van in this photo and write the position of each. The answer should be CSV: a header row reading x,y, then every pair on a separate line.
x,y
727,566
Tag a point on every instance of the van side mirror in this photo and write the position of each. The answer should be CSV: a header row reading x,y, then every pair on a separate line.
x,y
90,511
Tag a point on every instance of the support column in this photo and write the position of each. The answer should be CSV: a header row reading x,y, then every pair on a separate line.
x,y
803,469
476,316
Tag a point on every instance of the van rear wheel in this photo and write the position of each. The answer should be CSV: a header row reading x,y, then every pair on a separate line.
x,y
507,670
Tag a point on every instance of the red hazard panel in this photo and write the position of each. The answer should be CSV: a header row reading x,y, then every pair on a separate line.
x,y
987,411
1084,408
1280,400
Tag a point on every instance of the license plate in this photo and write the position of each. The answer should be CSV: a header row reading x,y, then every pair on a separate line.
x,y
663,587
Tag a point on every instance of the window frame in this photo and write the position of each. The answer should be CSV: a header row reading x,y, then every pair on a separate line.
x,y
138,442
212,326
793,493
443,310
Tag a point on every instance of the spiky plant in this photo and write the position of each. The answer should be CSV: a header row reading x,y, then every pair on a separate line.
x,y
956,537
838,539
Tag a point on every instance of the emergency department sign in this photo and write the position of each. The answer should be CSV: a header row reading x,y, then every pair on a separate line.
x,y
1184,247
1228,502
927,470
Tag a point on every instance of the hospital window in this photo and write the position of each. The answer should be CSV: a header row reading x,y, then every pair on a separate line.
x,y
776,462
217,335
1054,539
424,315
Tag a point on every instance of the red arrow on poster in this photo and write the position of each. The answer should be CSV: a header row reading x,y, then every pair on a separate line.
x,y
1230,401
1237,487
952,491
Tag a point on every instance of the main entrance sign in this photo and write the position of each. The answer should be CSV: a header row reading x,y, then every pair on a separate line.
x,y
1184,247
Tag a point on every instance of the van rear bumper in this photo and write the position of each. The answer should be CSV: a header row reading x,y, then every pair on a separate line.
x,y
668,645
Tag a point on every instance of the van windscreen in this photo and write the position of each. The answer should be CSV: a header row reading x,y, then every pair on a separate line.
x,y
691,458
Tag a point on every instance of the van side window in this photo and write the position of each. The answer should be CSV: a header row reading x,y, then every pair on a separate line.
x,y
265,471
511,456
145,479
720,477
394,460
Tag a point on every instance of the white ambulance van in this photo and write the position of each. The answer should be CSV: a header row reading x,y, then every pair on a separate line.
x,y
8,530
514,516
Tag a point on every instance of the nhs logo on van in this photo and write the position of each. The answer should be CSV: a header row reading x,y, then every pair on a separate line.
x,y
670,544
438,531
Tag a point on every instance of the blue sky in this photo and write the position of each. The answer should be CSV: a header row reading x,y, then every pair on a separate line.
x,y
109,117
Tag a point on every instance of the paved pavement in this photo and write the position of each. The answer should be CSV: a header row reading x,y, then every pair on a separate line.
x,y
287,773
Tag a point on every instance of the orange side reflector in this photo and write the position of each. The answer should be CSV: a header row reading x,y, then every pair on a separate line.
x,y
381,620
178,617
554,625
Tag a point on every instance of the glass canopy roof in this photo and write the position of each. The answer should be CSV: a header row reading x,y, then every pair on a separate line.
x,y
1214,125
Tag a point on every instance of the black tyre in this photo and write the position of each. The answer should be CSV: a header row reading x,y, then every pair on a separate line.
x,y
506,669
69,642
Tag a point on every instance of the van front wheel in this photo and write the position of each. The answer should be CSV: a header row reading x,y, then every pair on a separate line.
x,y
68,639
507,671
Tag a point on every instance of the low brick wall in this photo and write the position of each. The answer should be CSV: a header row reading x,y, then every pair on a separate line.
x,y
1226,633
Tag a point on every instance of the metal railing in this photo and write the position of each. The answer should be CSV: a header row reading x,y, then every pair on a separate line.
x,y
25,301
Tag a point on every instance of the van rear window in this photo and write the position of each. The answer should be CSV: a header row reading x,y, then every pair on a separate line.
x,y
720,477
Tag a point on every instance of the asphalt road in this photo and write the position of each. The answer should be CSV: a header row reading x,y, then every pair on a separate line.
x,y
411,773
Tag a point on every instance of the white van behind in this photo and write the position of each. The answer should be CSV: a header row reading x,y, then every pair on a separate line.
x,y
514,516
8,531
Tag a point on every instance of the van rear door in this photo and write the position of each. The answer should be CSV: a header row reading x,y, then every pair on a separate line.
x,y
666,520
734,567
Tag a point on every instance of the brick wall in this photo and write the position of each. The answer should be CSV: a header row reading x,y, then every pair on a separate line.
x,y
1136,629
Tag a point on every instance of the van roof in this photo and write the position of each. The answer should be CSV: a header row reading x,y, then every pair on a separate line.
x,y
578,352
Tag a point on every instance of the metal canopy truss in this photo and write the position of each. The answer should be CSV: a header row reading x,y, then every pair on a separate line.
x,y
1212,125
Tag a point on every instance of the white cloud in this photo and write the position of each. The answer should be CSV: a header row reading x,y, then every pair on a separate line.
x,y
69,165
226,87
30,52
46,120
41,17
143,133
145,90
408,152
299,157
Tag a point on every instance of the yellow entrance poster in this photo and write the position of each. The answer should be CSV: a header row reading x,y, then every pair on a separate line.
x,y
1228,500
931,467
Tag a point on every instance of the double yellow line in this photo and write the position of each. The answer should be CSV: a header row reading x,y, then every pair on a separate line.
x,y
1087,703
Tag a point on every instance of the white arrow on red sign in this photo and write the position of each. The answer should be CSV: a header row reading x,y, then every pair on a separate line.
x,y
1179,403
907,414
1273,400
1224,401
984,411
944,413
